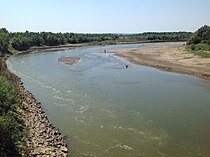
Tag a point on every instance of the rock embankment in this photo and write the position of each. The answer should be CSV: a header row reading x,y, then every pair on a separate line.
x,y
44,140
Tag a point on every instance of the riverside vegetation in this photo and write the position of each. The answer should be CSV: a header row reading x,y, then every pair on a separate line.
x,y
22,41
24,128
199,44
11,127
13,132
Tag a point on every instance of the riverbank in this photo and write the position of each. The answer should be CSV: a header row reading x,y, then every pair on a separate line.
x,y
43,138
173,58
37,49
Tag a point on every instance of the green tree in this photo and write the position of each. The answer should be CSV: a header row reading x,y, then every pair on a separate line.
x,y
201,32
195,39
51,40
208,36
21,43
202,35
4,40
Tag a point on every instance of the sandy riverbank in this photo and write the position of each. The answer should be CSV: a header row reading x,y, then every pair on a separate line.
x,y
174,58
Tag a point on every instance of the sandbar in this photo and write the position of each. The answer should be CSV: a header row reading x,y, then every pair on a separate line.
x,y
169,57
69,60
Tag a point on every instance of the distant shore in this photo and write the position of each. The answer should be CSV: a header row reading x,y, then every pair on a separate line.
x,y
173,58
40,49
167,57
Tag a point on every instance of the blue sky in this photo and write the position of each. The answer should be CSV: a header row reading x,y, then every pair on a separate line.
x,y
102,16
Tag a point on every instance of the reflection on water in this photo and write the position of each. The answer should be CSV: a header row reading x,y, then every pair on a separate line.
x,y
107,109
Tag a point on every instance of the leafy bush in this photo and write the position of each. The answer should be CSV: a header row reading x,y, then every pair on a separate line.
x,y
192,47
201,46
195,40
8,96
10,134
11,129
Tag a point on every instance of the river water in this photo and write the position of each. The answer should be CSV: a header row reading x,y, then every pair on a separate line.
x,y
107,110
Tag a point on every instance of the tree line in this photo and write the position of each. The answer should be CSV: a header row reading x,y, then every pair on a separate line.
x,y
24,40
161,36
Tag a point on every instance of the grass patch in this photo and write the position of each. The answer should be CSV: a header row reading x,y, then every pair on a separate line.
x,y
202,50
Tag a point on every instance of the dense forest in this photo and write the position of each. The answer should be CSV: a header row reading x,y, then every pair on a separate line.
x,y
24,40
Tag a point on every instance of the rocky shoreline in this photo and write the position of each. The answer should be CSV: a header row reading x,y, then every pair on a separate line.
x,y
44,140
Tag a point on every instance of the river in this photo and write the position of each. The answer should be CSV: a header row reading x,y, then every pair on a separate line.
x,y
108,110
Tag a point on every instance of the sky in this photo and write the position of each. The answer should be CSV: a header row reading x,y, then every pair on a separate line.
x,y
104,16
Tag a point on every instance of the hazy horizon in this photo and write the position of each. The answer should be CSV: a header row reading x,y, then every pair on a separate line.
x,y
104,16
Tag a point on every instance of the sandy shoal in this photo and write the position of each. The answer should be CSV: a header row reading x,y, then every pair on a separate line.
x,y
69,60
173,58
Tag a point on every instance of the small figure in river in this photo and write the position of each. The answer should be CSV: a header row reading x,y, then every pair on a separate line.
x,y
126,66
104,51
